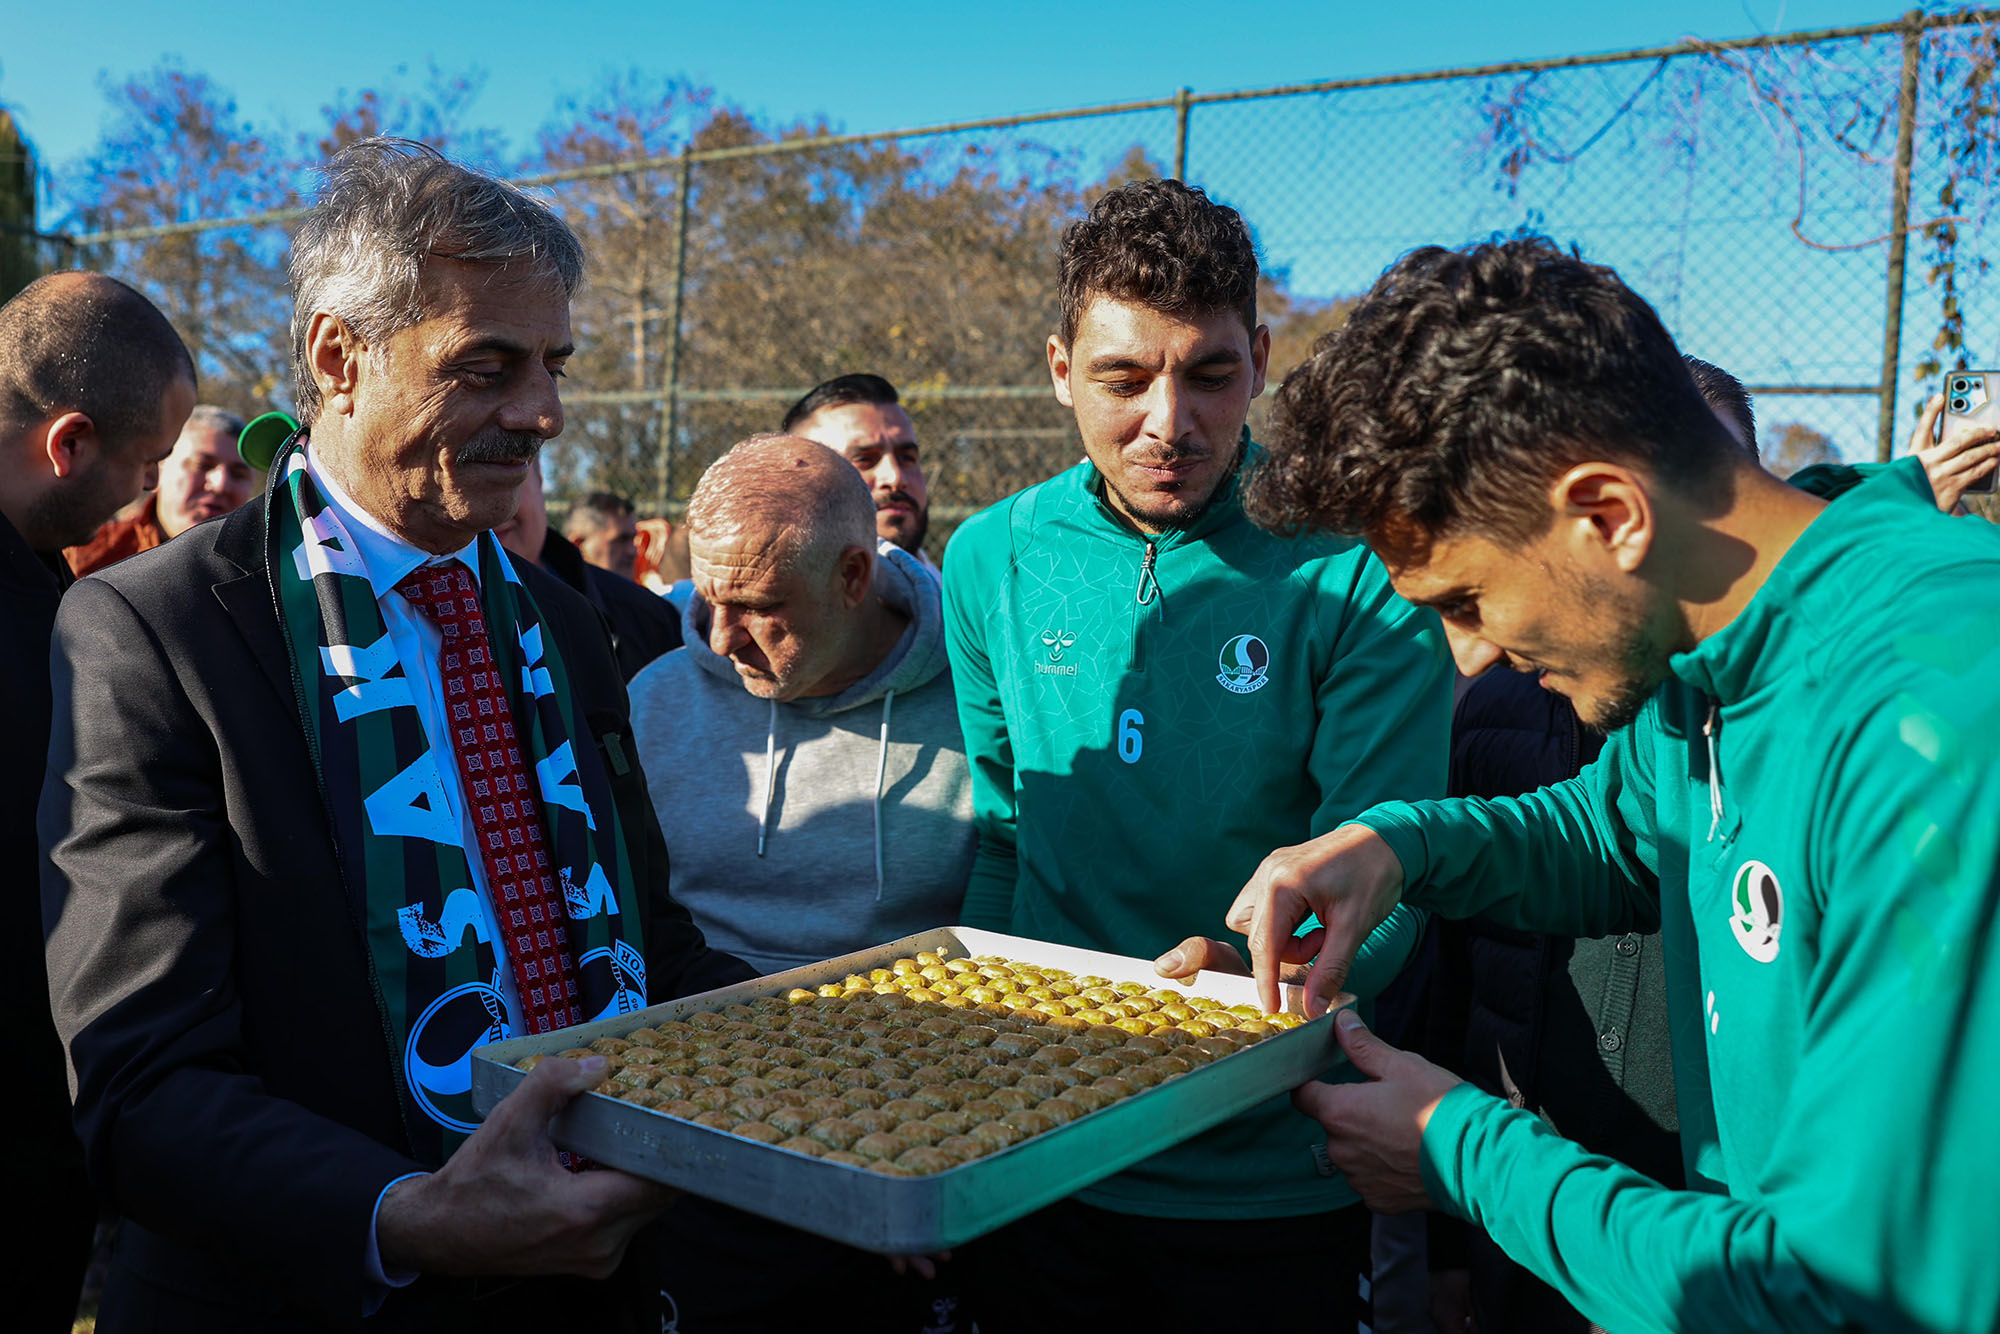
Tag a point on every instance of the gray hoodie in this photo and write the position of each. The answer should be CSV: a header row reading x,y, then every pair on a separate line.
x,y
803,830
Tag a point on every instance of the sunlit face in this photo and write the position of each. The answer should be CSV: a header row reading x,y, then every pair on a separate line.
x,y
1602,641
447,415
613,547
1160,401
204,478
777,622
881,442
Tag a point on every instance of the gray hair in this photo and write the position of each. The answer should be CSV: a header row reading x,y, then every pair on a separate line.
x,y
209,417
386,206
815,500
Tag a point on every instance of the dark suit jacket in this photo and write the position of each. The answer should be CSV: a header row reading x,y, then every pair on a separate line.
x,y
208,971
643,625
47,1171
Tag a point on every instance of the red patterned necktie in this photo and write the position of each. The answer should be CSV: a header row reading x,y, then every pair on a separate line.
x,y
506,818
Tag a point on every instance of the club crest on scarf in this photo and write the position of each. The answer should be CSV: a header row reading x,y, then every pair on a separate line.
x,y
440,978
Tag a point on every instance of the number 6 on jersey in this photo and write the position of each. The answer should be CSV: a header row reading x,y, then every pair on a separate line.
x,y
1130,743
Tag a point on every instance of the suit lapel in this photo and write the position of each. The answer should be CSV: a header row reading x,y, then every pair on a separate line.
x,y
247,599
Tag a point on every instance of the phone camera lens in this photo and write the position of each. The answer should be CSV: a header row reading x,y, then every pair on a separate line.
x,y
1959,385
1960,404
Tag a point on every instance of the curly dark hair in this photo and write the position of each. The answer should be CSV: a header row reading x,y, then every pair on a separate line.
x,y
1465,383
1161,244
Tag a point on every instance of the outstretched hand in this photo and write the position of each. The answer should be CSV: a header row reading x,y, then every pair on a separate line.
x,y
1348,878
505,1204
1375,1131
1199,954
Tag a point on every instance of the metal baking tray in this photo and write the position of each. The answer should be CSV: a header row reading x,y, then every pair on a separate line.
x,y
914,1215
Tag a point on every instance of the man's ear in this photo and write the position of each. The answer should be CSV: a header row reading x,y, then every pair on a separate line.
x,y
854,575
1608,513
1059,370
334,354
1260,358
69,441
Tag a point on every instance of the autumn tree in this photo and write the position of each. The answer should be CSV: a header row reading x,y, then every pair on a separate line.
x,y
19,257
1790,446
176,150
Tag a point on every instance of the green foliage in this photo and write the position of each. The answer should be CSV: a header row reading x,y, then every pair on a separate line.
x,y
18,266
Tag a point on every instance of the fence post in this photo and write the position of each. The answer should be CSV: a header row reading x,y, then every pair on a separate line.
x,y
1899,237
1183,103
670,408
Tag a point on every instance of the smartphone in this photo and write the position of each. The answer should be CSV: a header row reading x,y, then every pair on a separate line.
x,y
1973,396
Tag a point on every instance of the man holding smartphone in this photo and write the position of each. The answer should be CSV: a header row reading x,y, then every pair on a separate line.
x,y
1800,792
1959,462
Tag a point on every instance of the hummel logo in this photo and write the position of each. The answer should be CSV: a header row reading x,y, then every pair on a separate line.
x,y
1055,641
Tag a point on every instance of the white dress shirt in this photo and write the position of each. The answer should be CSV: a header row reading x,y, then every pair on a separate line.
x,y
386,558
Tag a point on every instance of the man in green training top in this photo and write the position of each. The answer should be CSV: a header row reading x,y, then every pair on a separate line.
x,y
1154,694
1800,794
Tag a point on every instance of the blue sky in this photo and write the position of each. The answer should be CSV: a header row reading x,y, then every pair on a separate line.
x,y
867,66
1322,207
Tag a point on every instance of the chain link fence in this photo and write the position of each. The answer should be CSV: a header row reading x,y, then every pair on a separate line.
x,y
1806,212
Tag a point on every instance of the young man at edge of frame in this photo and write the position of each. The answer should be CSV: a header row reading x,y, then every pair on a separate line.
x,y
1799,794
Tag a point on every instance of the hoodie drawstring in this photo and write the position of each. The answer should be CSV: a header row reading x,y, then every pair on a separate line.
x,y
770,778
881,772
1714,775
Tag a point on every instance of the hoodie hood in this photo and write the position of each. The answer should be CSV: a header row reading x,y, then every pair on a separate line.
x,y
918,656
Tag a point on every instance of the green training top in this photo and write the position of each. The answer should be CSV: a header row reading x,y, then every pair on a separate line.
x,y
1809,810
1146,720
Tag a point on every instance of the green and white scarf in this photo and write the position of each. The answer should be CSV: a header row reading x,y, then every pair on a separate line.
x,y
435,971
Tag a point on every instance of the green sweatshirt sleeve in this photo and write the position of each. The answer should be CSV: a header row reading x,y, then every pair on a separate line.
x,y
1573,859
970,586
1874,1208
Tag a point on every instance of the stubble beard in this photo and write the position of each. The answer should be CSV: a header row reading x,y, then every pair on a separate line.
x,y
919,528
1179,513
1641,654
69,516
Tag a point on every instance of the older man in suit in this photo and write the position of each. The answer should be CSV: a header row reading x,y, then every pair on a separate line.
x,y
338,792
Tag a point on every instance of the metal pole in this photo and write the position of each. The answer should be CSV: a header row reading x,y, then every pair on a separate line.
x,y
1183,100
670,409
1899,234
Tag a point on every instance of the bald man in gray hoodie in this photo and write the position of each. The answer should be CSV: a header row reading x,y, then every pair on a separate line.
x,y
803,748
804,755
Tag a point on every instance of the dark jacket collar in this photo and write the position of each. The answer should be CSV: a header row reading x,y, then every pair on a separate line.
x,y
563,559
29,571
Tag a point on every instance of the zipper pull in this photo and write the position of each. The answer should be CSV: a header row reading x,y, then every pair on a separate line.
x,y
1714,774
1149,587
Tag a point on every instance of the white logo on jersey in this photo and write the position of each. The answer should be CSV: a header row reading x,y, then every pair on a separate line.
x,y
1757,911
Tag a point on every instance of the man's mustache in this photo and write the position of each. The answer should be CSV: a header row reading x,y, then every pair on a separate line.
x,y
497,446
897,498
1168,458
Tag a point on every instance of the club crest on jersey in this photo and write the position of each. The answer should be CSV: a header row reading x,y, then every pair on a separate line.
x,y
1757,911
1245,665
